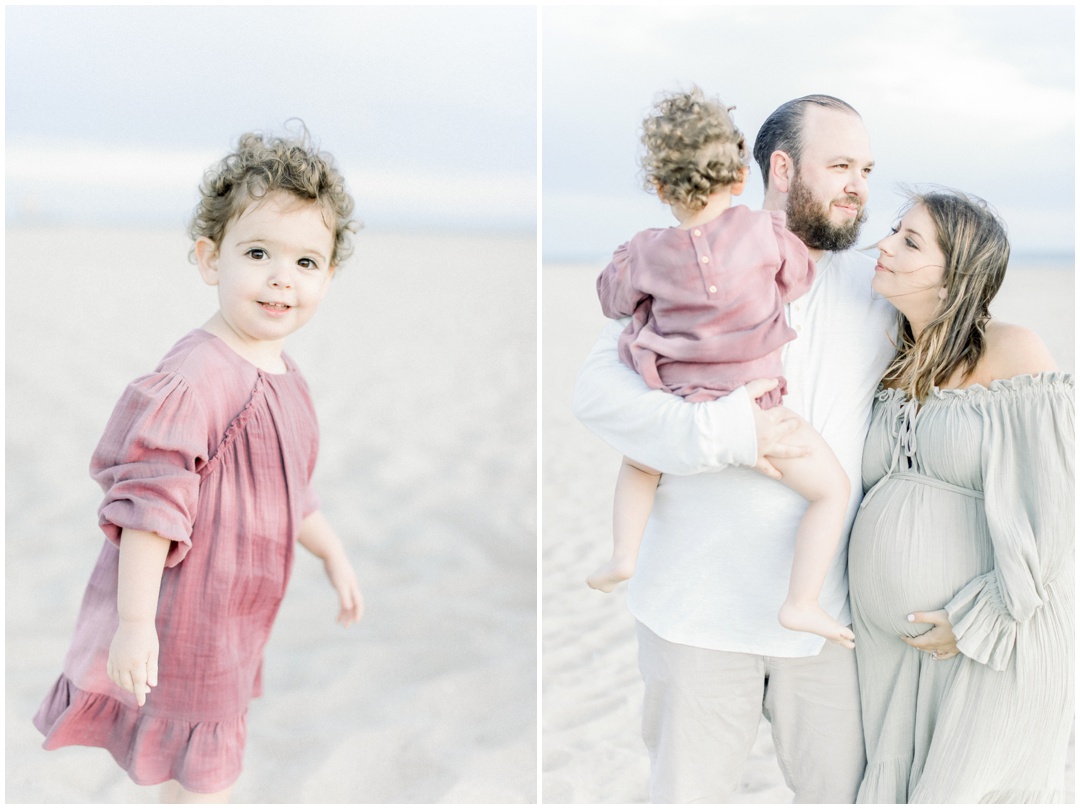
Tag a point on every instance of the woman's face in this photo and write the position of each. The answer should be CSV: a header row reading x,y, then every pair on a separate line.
x,y
911,265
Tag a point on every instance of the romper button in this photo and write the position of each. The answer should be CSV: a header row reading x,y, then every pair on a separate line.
x,y
704,259
697,232
712,289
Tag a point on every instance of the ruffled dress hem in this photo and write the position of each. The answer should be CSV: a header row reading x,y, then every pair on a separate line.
x,y
152,749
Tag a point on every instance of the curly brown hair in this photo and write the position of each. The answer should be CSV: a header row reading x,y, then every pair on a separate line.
x,y
263,164
692,148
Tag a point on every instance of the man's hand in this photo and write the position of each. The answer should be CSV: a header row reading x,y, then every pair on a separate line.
x,y
774,426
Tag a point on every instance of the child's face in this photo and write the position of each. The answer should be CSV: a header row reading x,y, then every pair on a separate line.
x,y
271,269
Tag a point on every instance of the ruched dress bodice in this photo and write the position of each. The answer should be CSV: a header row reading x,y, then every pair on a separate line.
x,y
968,508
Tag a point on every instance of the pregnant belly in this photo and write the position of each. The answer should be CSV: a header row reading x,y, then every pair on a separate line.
x,y
913,546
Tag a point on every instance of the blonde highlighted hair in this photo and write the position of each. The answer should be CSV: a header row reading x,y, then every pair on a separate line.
x,y
976,247
263,164
692,149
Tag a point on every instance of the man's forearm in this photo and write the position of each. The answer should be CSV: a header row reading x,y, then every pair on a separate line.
x,y
656,428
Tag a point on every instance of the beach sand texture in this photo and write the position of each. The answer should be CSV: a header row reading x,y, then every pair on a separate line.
x,y
422,364
592,751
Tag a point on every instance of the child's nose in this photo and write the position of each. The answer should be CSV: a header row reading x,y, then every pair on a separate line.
x,y
281,277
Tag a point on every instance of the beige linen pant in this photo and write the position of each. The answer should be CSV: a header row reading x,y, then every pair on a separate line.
x,y
702,709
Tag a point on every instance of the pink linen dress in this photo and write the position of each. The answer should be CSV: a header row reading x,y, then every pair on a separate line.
x,y
707,303
216,455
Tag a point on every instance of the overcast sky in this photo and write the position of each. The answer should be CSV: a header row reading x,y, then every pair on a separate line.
x,y
114,112
980,98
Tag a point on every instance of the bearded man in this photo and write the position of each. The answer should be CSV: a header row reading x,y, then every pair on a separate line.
x,y
716,557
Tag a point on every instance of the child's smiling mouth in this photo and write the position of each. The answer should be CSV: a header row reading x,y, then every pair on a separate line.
x,y
274,306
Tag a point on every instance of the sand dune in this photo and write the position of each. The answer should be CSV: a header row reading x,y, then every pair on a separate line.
x,y
422,366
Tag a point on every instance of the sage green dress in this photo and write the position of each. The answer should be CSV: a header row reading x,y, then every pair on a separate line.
x,y
969,507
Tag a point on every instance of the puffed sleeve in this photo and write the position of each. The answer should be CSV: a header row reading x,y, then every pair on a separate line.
x,y
147,462
615,287
797,269
1027,448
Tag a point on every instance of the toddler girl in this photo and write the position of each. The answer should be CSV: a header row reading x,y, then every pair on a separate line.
x,y
206,466
706,302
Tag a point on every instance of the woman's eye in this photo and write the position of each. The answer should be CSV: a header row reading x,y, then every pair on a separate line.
x,y
911,244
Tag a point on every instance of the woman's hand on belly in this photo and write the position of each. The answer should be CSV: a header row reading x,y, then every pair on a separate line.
x,y
939,642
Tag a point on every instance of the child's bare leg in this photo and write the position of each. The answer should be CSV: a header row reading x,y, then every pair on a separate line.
x,y
821,480
172,792
635,492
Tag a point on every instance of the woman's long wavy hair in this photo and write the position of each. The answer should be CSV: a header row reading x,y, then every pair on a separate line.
x,y
692,148
976,248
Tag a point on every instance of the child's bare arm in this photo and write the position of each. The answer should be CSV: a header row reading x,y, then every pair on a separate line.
x,y
319,537
133,655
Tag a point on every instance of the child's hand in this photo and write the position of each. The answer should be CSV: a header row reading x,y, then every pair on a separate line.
x,y
133,658
342,576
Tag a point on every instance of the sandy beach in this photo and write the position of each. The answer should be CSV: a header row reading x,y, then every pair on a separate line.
x,y
592,691
422,365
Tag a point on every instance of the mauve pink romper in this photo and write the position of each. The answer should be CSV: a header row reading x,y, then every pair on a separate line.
x,y
217,456
707,304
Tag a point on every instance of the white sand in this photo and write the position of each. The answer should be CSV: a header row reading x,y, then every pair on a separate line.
x,y
592,691
422,366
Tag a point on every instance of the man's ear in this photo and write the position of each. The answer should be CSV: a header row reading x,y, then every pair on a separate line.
x,y
206,255
781,171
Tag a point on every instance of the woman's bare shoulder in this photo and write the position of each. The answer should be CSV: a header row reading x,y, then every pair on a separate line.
x,y
1013,350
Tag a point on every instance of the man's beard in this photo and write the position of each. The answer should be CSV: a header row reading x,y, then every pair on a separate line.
x,y
809,220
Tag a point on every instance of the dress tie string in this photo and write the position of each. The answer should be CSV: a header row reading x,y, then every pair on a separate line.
x,y
904,444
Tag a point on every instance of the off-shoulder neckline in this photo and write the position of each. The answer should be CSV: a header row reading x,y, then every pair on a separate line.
x,y
1044,379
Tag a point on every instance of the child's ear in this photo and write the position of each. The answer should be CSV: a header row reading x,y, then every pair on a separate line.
x,y
206,255
739,186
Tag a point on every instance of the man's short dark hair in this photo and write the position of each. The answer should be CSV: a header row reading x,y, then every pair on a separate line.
x,y
782,131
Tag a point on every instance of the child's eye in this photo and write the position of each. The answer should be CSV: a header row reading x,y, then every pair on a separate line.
x,y
256,253
308,264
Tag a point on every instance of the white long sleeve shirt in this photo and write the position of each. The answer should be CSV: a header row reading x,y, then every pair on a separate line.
x,y
716,558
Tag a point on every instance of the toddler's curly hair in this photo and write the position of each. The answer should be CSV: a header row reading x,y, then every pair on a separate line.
x,y
692,148
263,164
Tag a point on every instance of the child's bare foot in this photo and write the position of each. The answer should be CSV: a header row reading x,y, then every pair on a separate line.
x,y
812,618
606,577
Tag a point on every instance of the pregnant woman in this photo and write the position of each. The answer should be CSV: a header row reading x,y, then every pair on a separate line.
x,y
961,558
